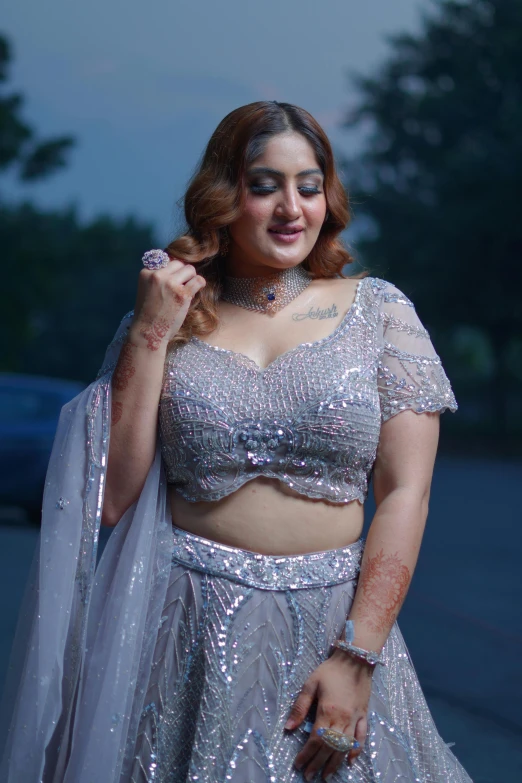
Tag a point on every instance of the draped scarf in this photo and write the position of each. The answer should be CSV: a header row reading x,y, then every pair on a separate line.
x,y
83,648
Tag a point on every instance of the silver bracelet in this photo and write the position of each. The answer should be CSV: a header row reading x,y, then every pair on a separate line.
x,y
371,657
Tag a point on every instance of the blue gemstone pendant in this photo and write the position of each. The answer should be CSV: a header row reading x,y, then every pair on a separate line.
x,y
266,294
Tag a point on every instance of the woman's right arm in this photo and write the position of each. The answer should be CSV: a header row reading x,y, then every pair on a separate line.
x,y
162,302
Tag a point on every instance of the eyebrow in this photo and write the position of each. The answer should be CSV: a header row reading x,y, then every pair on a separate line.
x,y
276,173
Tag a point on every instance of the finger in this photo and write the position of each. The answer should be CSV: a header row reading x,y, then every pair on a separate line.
x,y
313,746
195,284
359,733
333,764
151,276
337,758
316,752
180,273
173,265
324,756
301,705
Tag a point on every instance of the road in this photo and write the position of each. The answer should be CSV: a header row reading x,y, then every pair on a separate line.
x,y
462,619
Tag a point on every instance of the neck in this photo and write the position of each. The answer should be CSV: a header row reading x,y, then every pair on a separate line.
x,y
240,264
250,271
266,293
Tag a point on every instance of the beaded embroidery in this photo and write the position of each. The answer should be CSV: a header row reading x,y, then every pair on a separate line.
x,y
267,572
231,657
312,418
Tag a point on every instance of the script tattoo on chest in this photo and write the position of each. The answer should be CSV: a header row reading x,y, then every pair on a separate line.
x,y
317,314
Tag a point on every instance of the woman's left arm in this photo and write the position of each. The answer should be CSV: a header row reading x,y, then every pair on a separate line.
x,y
402,482
342,684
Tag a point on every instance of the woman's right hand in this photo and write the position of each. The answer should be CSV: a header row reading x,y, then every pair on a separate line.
x,y
162,302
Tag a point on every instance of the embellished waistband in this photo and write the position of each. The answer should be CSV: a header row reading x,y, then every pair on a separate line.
x,y
267,572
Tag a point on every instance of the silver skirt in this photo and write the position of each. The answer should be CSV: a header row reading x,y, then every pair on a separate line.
x,y
240,633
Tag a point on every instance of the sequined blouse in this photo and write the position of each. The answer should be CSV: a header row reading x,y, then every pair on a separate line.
x,y
312,418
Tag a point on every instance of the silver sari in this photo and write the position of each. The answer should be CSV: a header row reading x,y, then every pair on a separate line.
x,y
177,659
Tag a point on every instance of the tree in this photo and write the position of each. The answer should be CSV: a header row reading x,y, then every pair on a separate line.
x,y
65,285
441,175
19,146
67,289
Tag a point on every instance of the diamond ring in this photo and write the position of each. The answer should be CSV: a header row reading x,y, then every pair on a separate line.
x,y
337,740
155,259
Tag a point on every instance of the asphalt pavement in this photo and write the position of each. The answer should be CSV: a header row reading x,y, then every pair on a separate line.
x,y
462,619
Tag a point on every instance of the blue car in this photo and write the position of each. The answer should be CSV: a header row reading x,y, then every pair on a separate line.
x,y
30,406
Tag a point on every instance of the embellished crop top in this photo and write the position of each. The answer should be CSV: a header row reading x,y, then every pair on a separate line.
x,y
312,418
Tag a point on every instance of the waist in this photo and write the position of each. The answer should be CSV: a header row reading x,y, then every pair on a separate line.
x,y
268,517
267,572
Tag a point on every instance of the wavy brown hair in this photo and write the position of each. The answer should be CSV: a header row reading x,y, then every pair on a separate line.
x,y
217,190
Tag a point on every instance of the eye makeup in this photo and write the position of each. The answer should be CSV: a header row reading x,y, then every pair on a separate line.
x,y
306,190
263,186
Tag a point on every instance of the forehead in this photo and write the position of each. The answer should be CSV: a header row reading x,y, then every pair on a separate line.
x,y
288,152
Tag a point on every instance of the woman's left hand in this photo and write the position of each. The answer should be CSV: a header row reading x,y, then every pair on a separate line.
x,y
342,686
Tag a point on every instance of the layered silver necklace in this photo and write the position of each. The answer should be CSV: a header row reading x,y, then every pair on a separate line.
x,y
266,294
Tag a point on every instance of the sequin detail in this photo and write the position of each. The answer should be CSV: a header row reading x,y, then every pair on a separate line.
x,y
312,418
230,660
267,572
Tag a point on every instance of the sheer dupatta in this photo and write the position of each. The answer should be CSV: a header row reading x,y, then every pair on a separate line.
x,y
82,652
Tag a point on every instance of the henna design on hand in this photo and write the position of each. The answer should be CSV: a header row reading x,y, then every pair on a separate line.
x,y
124,369
116,412
155,333
382,587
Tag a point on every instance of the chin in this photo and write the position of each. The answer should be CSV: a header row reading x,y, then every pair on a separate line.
x,y
283,263
288,256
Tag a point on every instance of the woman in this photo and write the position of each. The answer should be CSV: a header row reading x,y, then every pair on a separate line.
x,y
237,627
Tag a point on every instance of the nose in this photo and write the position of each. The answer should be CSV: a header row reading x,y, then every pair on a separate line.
x,y
289,206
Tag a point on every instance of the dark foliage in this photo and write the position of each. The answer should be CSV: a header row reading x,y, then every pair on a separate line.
x,y
65,285
68,287
441,180
19,146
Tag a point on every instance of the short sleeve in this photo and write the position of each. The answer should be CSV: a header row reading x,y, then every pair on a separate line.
x,y
410,373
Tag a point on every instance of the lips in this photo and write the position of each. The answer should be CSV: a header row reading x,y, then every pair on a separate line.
x,y
282,230
285,235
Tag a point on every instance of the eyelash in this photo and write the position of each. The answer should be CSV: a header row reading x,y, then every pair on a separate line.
x,y
263,190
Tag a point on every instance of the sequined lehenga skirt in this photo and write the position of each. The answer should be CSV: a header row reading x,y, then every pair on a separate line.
x,y
240,633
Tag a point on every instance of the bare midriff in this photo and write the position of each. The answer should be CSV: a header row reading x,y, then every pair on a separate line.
x,y
267,516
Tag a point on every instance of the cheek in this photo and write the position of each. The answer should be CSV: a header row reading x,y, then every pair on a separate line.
x,y
256,212
315,213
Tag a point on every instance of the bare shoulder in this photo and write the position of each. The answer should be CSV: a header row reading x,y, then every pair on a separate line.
x,y
350,284
344,288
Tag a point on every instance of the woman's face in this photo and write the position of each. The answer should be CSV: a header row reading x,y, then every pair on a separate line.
x,y
284,210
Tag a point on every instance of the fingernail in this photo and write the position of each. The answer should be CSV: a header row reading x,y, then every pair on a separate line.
x,y
289,723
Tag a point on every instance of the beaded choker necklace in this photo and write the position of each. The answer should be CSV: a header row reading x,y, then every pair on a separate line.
x,y
266,294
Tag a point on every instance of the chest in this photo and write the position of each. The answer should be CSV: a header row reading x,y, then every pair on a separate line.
x,y
311,418
339,370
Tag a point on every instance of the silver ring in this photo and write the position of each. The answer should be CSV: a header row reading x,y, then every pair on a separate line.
x,y
155,259
337,740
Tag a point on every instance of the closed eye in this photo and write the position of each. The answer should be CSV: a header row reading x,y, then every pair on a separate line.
x,y
266,189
